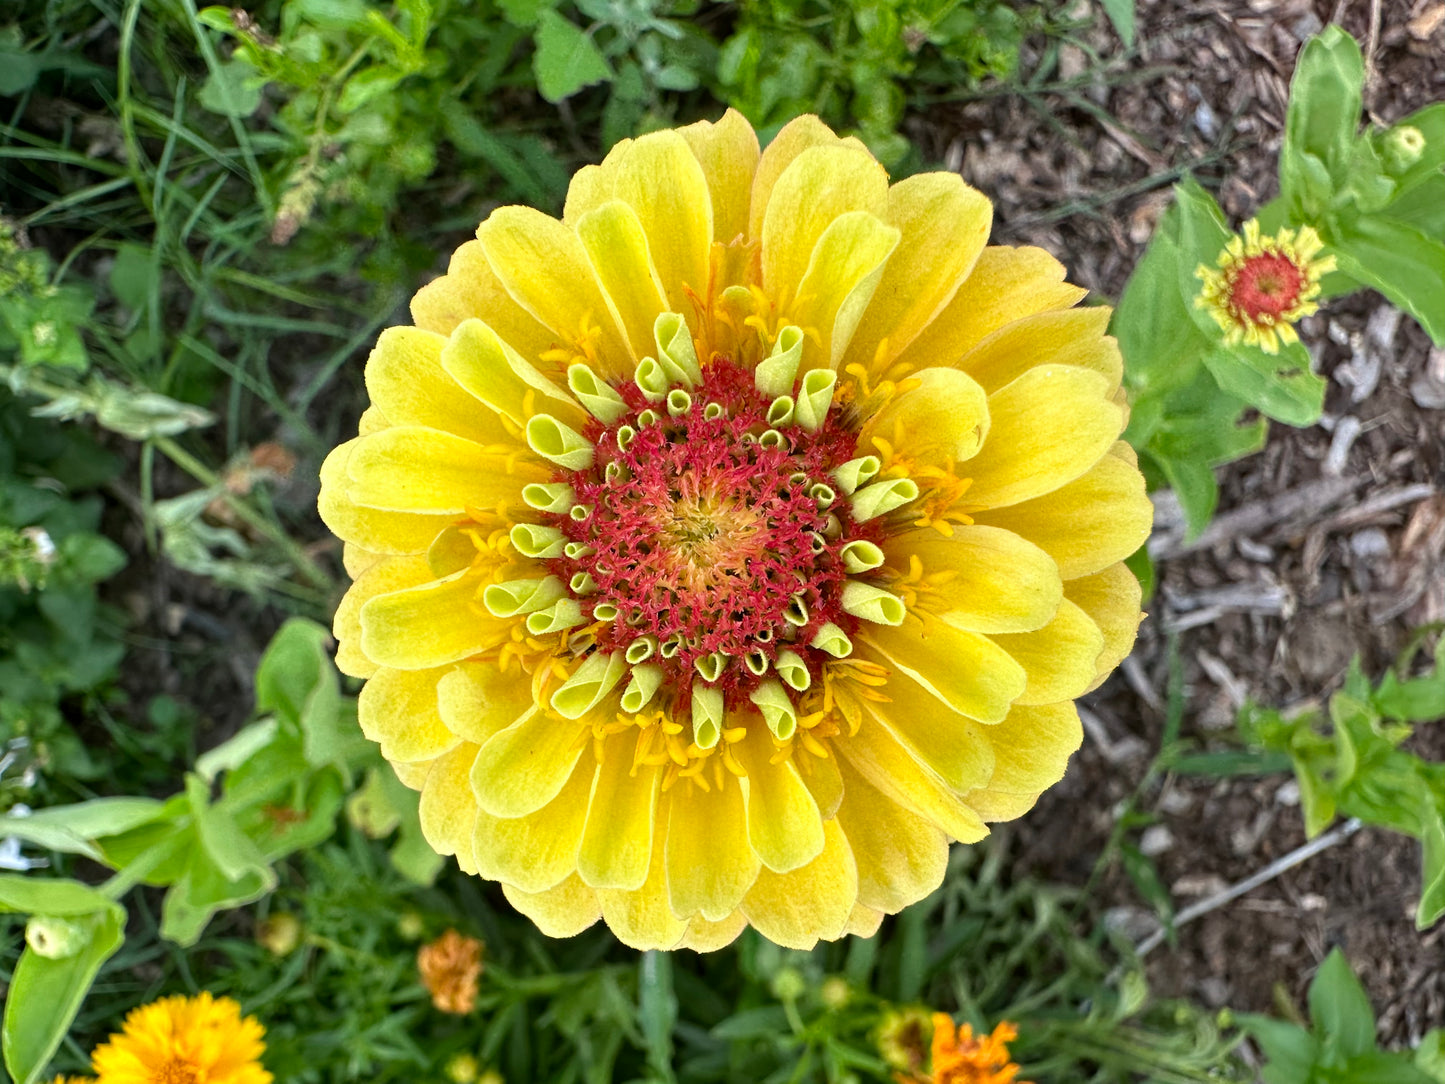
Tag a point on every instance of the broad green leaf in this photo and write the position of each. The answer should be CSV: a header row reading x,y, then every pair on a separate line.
x,y
1121,15
29,895
132,276
297,680
19,68
1340,1009
1380,1067
1156,331
524,12
72,829
1317,799
200,892
567,59
233,89
1203,234
1399,261
233,852
1415,700
367,85
1280,386
1430,1055
1422,207
1321,120
411,855
45,994
236,750
1290,1051
1432,871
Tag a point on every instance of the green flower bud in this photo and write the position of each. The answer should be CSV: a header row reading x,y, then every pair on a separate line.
x,y
789,984
1404,144
835,993
410,926
279,934
54,938
463,1068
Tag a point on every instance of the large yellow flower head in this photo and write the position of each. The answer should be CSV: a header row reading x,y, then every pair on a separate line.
x,y
727,547
184,1040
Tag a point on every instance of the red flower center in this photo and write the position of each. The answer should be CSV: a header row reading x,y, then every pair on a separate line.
x,y
1267,285
711,530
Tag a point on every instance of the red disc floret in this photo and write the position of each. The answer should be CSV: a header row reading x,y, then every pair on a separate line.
x,y
1267,285
708,531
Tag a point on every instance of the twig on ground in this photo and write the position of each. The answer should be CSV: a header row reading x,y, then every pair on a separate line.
x,y
1233,892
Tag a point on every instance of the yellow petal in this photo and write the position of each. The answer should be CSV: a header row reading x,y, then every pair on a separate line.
x,y
469,289
863,922
642,918
357,560
477,700
705,935
663,182
1088,524
1068,337
784,827
1006,284
413,775
617,248
710,864
950,744
901,857
728,153
1111,598
447,808
795,137
962,670
544,267
983,579
538,851
398,709
371,421
477,359
820,776
942,421
1047,428
405,379
431,624
945,225
847,263
879,757
1031,750
379,532
819,185
812,903
522,768
1058,658
562,911
382,578
411,469
590,188
617,841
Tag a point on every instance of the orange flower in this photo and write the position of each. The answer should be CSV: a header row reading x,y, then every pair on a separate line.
x,y
450,967
959,1058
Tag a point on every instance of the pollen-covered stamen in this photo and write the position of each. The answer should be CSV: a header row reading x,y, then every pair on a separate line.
x,y
710,542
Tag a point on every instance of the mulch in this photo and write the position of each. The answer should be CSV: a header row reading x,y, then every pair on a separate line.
x,y
1330,544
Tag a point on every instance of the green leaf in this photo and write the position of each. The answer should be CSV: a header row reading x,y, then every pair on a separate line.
x,y
132,275
1430,1055
472,138
1280,386
234,853
1203,234
1321,121
567,59
1430,123
365,86
1121,14
1291,1051
19,68
1422,207
28,895
1399,261
1317,798
72,829
1340,1009
236,750
524,12
1381,1067
201,891
45,994
1432,871
297,680
233,89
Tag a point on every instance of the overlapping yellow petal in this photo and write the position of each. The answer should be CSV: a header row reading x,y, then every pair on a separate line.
x,y
728,153
940,421
469,290
1111,598
1031,748
710,822
398,710
799,908
538,851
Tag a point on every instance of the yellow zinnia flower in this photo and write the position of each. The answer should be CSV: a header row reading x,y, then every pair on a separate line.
x,y
727,547
184,1040
1264,285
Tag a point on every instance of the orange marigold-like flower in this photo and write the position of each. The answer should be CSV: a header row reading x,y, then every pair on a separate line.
x,y
1264,285
184,1040
450,967
959,1058
63,1079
